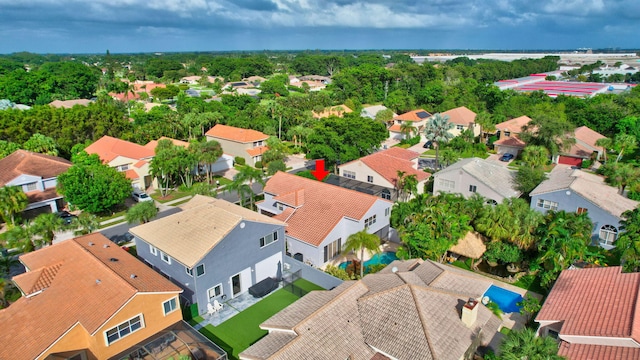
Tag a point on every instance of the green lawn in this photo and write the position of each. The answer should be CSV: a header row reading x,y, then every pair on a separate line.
x,y
172,195
242,330
531,282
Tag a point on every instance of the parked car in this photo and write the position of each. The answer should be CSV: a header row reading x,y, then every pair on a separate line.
x,y
66,216
506,157
140,196
427,145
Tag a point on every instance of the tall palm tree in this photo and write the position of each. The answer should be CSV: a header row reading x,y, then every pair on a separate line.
x,y
407,129
362,241
12,202
625,142
248,174
85,223
437,131
606,144
46,225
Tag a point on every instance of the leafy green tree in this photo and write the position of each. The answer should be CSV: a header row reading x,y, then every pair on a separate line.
x,y
362,241
207,153
527,178
525,344
449,156
628,243
554,133
529,306
620,175
41,144
23,237
93,186
385,116
12,202
437,131
7,148
46,225
141,212
275,166
85,223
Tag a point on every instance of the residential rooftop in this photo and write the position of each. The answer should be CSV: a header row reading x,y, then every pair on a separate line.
x,y
23,162
109,148
236,134
495,176
460,116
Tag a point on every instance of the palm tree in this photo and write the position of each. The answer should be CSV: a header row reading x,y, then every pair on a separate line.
x,y
407,129
142,212
625,142
525,344
12,202
46,225
437,131
23,237
628,243
206,153
85,223
606,144
248,174
6,262
449,156
362,241
399,183
535,156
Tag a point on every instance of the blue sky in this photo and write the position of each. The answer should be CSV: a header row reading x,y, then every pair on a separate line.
x,y
82,26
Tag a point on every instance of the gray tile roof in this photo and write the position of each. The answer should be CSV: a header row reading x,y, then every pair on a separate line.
x,y
493,175
395,313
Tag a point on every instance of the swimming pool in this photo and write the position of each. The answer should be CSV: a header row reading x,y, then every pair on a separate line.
x,y
385,258
506,300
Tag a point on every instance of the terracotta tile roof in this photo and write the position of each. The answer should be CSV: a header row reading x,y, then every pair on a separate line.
x,y
140,163
588,136
324,206
47,194
579,151
70,103
80,285
37,280
22,162
513,140
236,134
387,163
200,226
514,125
257,150
131,174
395,128
154,143
460,116
578,300
382,313
597,352
125,97
413,115
108,148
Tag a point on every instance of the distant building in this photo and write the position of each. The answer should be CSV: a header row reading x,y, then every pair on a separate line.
x,y
417,119
245,143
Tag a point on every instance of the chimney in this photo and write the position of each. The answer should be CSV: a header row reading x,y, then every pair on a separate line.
x,y
470,312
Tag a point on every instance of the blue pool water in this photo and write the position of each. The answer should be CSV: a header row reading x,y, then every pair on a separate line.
x,y
506,300
385,258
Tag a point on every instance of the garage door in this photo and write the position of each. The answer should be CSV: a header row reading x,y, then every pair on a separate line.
x,y
268,267
568,160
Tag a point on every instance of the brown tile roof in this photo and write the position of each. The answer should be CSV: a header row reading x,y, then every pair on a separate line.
x,y
514,125
588,136
80,285
70,103
579,151
383,313
597,352
201,226
324,206
22,162
236,134
513,140
460,116
108,148
257,150
387,163
578,300
395,128
47,194
412,115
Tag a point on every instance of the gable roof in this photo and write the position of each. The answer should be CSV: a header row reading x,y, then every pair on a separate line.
x,y
405,315
190,235
154,143
512,140
70,103
514,125
388,162
495,176
588,136
324,205
460,116
577,300
79,284
415,115
373,110
109,148
22,162
236,134
590,186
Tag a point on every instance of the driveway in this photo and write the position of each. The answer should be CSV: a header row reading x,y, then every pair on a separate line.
x,y
297,161
496,158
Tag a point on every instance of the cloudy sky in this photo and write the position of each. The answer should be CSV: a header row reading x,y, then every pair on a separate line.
x,y
93,26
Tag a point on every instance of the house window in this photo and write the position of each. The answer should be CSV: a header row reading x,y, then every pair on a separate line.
x,y
332,250
215,292
188,271
170,306
387,211
460,127
447,184
507,133
124,167
165,258
257,143
386,194
369,178
546,204
153,250
369,221
581,210
268,239
30,187
200,270
116,333
280,207
492,202
608,234
349,174
473,188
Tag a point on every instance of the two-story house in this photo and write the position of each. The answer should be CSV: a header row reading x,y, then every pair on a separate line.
x,y
213,249
508,136
462,119
320,217
474,175
87,298
584,148
245,143
574,190
37,175
417,119
382,169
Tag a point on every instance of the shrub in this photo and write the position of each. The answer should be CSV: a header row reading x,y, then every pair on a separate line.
x,y
240,160
258,164
183,87
337,272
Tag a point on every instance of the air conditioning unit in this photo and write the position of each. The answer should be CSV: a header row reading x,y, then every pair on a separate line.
x,y
287,266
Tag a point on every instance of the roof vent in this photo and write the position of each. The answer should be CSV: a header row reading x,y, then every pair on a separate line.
x,y
90,243
133,276
113,259
98,281
105,246
394,269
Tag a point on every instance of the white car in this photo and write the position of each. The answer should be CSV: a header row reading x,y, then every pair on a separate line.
x,y
141,196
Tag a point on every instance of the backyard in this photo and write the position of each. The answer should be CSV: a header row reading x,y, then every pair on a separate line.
x,y
242,330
